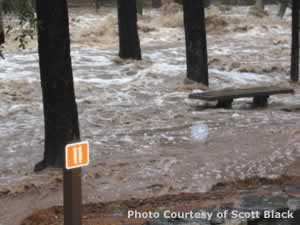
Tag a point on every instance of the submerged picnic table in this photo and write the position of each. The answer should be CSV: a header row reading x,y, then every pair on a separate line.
x,y
225,96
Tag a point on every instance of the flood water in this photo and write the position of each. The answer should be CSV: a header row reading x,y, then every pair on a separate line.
x,y
145,135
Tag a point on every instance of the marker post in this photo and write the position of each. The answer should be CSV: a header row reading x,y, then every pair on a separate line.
x,y
72,196
77,156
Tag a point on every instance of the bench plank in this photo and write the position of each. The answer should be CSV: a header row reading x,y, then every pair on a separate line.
x,y
229,94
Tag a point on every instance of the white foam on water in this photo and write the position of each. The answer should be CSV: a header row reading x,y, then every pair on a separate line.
x,y
168,69
115,81
237,79
199,131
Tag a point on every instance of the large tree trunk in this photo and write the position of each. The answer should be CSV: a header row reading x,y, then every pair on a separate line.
x,y
129,43
156,3
295,42
195,39
60,110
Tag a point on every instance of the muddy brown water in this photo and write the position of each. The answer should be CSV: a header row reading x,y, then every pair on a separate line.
x,y
148,139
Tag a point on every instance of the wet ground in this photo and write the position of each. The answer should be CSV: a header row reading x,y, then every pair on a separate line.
x,y
253,201
147,138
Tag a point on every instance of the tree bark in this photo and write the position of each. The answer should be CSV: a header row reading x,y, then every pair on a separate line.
x,y
2,32
156,3
282,9
129,43
295,42
260,5
195,40
60,110
98,5
33,4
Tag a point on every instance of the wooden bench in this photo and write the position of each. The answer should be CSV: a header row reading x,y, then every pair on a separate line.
x,y
225,97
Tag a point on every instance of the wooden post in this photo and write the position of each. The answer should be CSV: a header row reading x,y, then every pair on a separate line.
x,y
72,196
295,42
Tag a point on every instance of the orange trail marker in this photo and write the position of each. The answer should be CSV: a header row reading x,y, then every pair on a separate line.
x,y
77,155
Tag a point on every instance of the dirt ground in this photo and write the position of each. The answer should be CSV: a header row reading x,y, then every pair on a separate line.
x,y
147,138
116,212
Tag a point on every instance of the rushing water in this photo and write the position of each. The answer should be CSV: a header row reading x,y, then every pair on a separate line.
x,y
143,129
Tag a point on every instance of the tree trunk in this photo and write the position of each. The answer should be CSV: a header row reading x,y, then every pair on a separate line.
x,y
295,42
282,9
60,110
2,32
33,4
129,43
195,39
260,5
156,3
207,3
98,4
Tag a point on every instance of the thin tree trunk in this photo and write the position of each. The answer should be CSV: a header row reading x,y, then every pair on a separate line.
x,y
260,5
60,110
295,42
207,3
156,3
98,5
129,43
195,39
282,9
33,4
2,32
